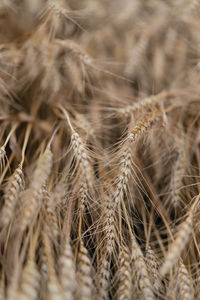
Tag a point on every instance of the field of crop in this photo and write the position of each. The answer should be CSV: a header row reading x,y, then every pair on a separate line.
x,y
99,149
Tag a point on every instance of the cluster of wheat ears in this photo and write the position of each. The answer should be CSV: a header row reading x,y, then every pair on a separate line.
x,y
100,149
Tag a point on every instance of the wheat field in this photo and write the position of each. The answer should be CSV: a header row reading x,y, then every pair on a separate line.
x,y
100,149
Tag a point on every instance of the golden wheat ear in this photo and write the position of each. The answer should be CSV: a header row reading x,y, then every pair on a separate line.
x,y
184,282
124,285
103,277
30,280
180,241
66,263
54,289
142,275
153,269
33,196
50,217
85,281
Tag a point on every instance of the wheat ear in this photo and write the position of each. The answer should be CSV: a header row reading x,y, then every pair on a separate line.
x,y
82,159
184,283
138,263
38,181
123,177
109,225
180,242
15,184
84,274
3,147
53,286
146,102
43,263
143,125
67,270
30,275
124,287
103,278
126,161
51,223
12,290
152,267
42,171
30,281
141,271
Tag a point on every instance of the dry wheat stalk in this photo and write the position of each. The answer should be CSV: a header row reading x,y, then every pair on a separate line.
x,y
178,173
